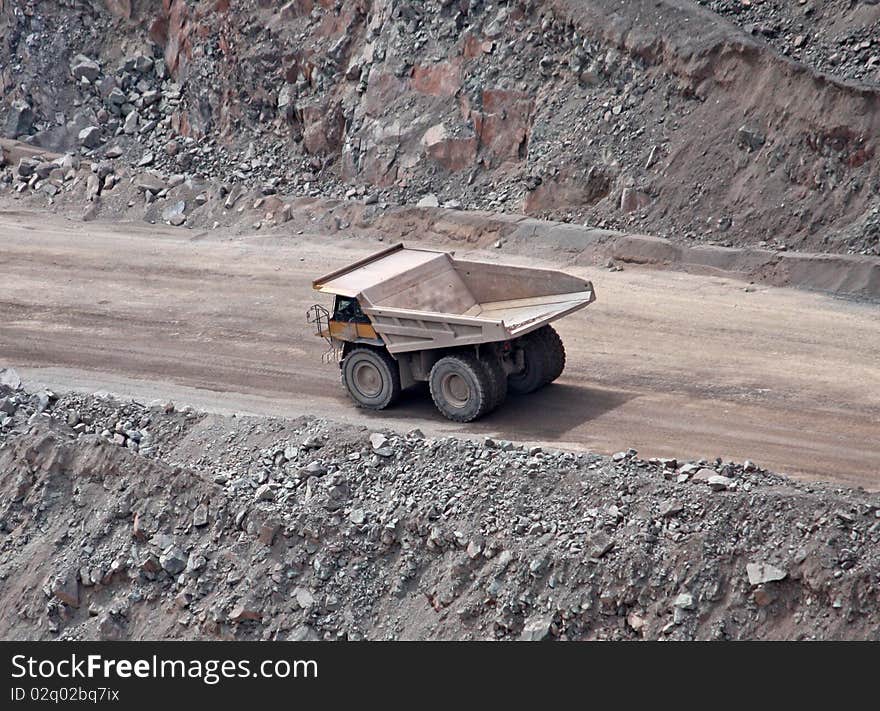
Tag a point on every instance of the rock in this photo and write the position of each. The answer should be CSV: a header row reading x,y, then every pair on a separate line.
x,y
304,598
313,442
286,101
109,629
749,139
357,516
267,533
684,601
173,560
10,379
245,611
175,209
703,474
200,516
65,587
600,544
536,628
763,597
90,137
26,167
670,508
195,562
304,633
428,201
143,63
763,573
635,621
84,68
150,182
115,99
130,125
378,440
93,187
7,407
719,483
315,469
264,493
19,120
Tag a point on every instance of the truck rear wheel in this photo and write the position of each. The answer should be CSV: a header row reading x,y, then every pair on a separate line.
x,y
554,352
372,377
535,366
497,380
461,387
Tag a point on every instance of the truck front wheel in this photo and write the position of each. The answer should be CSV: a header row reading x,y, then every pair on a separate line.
x,y
460,387
372,377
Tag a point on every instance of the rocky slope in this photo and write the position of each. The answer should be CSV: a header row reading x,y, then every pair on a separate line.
x,y
121,520
664,117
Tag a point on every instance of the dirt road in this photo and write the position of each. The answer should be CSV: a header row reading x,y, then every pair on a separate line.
x,y
671,364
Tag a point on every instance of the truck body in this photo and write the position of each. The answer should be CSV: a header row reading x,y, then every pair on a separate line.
x,y
407,310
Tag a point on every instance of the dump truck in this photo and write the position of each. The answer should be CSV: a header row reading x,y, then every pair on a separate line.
x,y
474,331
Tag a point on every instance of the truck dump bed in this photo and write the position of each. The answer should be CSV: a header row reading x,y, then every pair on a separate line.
x,y
419,299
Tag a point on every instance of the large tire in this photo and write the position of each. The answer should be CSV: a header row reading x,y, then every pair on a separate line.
x,y
535,369
461,387
497,380
554,352
372,377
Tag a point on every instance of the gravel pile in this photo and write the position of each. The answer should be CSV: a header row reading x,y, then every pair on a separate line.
x,y
215,527
840,37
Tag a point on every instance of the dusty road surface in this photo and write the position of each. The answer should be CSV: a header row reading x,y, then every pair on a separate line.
x,y
671,364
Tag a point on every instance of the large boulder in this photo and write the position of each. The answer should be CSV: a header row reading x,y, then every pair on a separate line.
x,y
84,68
90,137
19,120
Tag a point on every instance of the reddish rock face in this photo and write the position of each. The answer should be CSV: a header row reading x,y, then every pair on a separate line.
x,y
177,47
382,90
440,79
333,25
120,8
180,124
158,31
323,128
378,166
296,8
503,125
454,154
471,46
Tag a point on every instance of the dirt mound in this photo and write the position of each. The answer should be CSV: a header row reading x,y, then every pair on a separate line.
x,y
662,118
128,521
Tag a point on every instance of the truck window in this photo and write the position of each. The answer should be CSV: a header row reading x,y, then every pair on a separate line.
x,y
348,310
